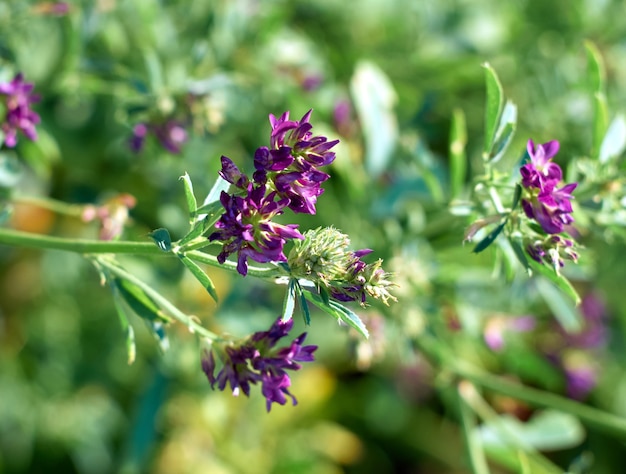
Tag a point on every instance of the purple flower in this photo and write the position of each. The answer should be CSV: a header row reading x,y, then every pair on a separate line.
x,y
256,359
543,201
497,328
138,139
19,116
171,134
246,227
290,165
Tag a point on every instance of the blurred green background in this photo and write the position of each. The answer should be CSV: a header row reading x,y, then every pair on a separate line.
x,y
69,401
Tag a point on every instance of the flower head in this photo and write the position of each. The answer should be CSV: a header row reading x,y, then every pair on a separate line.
x,y
257,359
324,258
171,134
246,227
19,116
543,201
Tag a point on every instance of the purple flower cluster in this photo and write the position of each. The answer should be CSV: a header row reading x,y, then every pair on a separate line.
x,y
286,175
18,97
543,200
256,359
171,134
552,250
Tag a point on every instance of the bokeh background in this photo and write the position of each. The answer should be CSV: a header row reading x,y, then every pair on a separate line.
x,y
383,76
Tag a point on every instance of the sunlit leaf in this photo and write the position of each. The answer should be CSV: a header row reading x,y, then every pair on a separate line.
x,y
216,191
614,141
600,122
200,275
374,99
158,332
289,303
458,158
189,197
489,239
196,231
596,71
505,132
493,107
306,315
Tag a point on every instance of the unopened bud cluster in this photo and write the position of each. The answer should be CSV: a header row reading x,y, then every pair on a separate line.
x,y
324,258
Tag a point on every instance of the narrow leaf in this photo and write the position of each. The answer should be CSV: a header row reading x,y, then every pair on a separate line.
x,y
600,122
306,315
126,326
196,231
339,312
200,275
158,331
374,100
192,205
563,308
493,106
516,244
162,238
516,196
505,132
560,281
139,302
614,141
596,72
289,303
458,158
214,194
491,237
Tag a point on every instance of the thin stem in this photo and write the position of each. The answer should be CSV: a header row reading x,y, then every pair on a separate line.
x,y
158,299
600,419
47,242
74,210
592,416
495,199
473,443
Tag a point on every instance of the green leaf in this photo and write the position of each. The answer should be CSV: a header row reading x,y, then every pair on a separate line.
x,y
600,122
139,301
458,158
216,191
200,275
520,253
158,332
614,141
162,238
196,231
596,71
126,326
339,312
553,289
493,106
516,196
374,100
289,303
505,132
10,170
304,306
192,205
210,213
489,239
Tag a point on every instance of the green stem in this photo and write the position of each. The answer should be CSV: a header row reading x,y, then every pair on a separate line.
x,y
47,242
473,443
158,299
591,416
441,356
74,210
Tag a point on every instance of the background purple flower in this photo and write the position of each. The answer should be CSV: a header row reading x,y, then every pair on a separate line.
x,y
18,98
